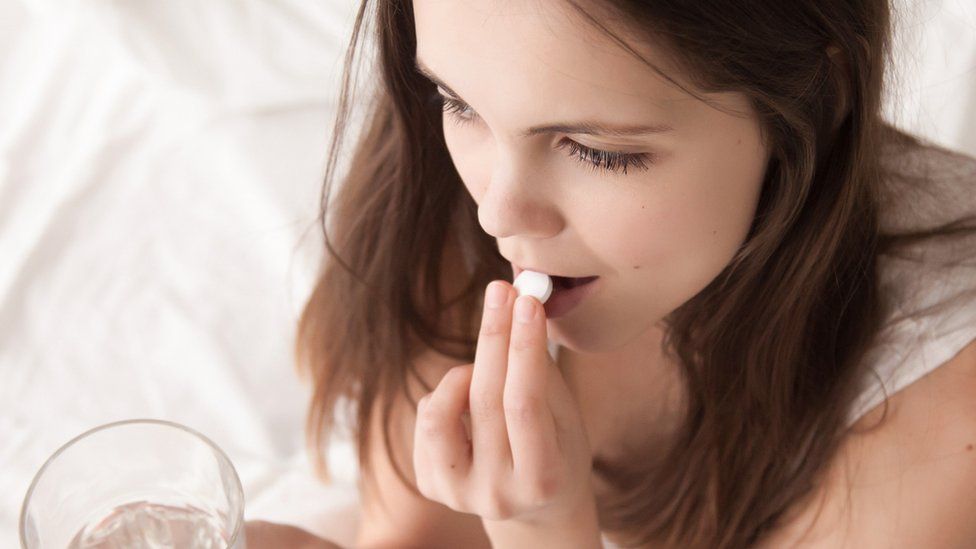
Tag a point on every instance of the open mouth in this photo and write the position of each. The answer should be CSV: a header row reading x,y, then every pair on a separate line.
x,y
565,283
567,292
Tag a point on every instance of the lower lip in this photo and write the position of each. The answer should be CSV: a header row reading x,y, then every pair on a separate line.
x,y
564,300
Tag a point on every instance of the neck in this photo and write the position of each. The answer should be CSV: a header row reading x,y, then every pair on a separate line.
x,y
635,387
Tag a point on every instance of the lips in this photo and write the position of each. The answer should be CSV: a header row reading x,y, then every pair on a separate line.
x,y
563,281
564,299
567,291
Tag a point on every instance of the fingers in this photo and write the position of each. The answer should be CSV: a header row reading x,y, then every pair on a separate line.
x,y
489,435
441,444
529,420
513,464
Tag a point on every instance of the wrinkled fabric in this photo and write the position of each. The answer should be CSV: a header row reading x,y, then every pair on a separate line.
x,y
160,169
929,289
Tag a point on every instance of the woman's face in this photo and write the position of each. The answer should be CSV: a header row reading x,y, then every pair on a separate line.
x,y
655,235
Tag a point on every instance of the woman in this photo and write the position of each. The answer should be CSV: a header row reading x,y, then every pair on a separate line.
x,y
753,246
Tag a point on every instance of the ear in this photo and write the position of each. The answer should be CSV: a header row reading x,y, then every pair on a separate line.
x,y
841,79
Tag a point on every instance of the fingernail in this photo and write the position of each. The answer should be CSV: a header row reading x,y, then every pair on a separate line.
x,y
497,293
524,309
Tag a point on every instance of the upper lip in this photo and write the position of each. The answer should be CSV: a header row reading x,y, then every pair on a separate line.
x,y
520,268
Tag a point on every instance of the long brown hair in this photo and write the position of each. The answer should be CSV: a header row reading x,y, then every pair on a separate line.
x,y
771,351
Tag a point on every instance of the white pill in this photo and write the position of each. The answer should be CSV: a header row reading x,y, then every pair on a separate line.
x,y
536,284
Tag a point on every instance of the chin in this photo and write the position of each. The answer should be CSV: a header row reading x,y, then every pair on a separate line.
x,y
596,336
581,339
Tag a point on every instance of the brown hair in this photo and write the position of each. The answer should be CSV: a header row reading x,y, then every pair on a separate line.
x,y
771,351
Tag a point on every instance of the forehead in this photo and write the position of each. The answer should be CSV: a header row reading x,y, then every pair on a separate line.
x,y
490,49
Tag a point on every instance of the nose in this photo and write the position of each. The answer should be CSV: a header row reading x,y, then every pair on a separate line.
x,y
518,202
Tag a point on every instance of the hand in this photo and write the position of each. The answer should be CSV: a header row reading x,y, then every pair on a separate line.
x,y
267,535
528,461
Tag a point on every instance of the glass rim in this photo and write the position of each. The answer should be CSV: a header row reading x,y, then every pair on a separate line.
x,y
239,522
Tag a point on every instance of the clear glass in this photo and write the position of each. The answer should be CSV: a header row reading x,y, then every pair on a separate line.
x,y
138,484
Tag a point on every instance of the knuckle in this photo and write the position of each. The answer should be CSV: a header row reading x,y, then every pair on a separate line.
x,y
493,326
430,423
495,507
436,489
542,490
455,501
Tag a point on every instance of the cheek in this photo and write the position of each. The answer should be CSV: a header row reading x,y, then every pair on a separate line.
x,y
468,157
683,234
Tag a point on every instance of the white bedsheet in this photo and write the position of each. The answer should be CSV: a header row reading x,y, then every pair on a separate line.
x,y
160,162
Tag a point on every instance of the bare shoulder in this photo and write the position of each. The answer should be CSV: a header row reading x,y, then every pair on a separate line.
x,y
906,482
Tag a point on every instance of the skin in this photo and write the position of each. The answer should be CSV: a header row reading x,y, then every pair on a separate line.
x,y
655,237
525,467
261,534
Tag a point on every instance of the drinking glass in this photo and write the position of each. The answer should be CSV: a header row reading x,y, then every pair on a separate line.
x,y
138,484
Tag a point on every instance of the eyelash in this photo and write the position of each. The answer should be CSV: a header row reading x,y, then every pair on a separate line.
x,y
593,158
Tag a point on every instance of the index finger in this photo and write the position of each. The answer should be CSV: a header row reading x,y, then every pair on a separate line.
x,y
489,436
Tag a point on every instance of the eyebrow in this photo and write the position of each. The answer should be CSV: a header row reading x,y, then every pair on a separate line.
x,y
588,127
